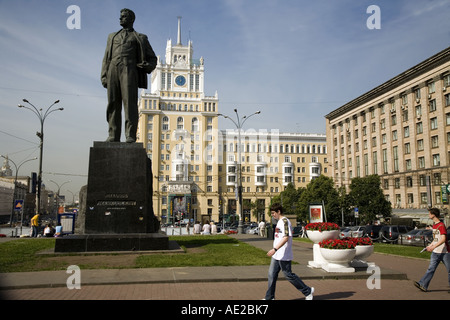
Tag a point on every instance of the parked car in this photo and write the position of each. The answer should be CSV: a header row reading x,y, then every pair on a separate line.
x,y
252,230
352,232
297,231
372,231
391,233
358,231
417,237
345,232
409,237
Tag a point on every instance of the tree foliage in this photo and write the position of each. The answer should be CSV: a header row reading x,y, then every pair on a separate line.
x,y
318,190
365,193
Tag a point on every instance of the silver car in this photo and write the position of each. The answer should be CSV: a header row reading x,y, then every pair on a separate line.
x,y
417,237
352,232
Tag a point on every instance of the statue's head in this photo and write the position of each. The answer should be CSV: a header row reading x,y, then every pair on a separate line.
x,y
127,18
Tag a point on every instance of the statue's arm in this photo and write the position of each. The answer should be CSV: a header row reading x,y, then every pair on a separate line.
x,y
150,56
105,63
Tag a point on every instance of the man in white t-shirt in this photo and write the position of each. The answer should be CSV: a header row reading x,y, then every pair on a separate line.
x,y
282,256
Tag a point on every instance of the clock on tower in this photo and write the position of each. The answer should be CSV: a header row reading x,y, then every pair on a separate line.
x,y
180,81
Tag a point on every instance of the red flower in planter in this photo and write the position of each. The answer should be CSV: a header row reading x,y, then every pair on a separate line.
x,y
322,226
360,241
337,244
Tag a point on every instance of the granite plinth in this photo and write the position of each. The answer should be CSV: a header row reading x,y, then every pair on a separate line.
x,y
118,196
112,242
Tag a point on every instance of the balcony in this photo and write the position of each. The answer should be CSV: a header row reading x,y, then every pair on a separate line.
x,y
261,174
288,173
231,173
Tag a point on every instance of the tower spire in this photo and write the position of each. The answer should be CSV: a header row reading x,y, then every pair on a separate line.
x,y
179,31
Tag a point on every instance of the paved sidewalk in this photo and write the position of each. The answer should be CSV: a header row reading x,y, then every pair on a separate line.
x,y
229,283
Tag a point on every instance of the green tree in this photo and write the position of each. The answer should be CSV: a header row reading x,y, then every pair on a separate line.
x,y
257,209
318,190
289,198
366,194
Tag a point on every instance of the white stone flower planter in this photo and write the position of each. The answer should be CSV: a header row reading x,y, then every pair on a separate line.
x,y
338,260
316,237
362,253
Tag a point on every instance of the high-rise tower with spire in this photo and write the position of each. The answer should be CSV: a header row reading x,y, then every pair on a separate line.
x,y
178,124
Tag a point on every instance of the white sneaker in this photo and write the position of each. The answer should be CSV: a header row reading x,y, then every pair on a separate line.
x,y
310,296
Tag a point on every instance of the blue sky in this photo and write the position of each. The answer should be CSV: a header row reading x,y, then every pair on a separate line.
x,y
294,60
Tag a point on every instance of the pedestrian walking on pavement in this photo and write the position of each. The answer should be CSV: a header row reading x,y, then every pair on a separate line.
x,y
439,249
262,228
282,256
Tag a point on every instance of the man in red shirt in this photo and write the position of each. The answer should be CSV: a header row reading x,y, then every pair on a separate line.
x,y
439,249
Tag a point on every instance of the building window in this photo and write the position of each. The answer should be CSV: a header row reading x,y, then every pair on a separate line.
x,y
395,154
417,93
446,79
180,123
434,123
421,162
423,198
375,162
394,135
436,160
431,87
405,115
406,132
366,165
165,125
432,105
408,165
437,179
409,182
418,111
194,125
419,128
407,148
434,141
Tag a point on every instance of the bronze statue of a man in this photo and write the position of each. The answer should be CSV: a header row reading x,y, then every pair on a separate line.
x,y
128,59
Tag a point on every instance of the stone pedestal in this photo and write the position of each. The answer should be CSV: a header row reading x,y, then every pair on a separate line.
x,y
119,189
118,212
112,242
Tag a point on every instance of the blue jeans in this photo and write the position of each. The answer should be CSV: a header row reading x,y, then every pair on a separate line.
x,y
436,258
34,232
285,266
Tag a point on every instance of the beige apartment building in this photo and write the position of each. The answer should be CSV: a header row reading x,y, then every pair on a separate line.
x,y
400,131
196,166
270,160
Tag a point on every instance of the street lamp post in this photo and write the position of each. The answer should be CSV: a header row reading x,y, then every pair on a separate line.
x,y
42,116
57,196
239,124
17,167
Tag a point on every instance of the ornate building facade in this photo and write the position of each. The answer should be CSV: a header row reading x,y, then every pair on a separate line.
x,y
195,165
400,131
